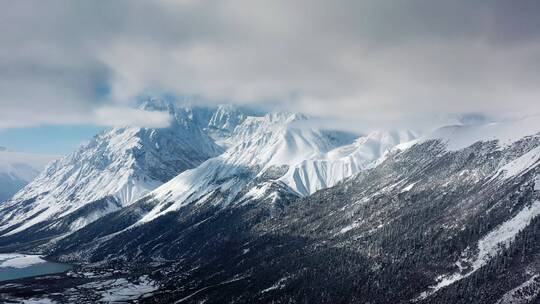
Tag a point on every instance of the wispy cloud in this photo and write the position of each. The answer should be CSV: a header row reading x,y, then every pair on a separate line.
x,y
124,116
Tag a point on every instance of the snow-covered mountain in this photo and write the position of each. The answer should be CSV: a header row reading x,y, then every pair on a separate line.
x,y
440,219
265,156
121,165
275,149
18,169
267,147
290,212
255,171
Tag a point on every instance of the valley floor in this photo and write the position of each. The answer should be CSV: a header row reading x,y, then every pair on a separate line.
x,y
80,285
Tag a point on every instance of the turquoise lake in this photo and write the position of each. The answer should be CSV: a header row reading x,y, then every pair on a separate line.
x,y
17,266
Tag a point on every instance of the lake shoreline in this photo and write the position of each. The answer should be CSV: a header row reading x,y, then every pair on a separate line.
x,y
16,266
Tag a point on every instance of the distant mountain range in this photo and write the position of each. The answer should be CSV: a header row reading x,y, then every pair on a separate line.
x,y
18,169
229,205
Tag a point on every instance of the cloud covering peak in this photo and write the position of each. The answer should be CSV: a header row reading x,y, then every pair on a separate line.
x,y
378,62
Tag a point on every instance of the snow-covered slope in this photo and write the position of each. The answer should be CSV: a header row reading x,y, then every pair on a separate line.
x,y
328,169
123,163
18,169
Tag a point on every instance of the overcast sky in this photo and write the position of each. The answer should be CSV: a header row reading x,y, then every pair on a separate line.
x,y
373,62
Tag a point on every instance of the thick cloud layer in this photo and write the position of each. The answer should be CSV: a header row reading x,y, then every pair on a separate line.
x,y
403,62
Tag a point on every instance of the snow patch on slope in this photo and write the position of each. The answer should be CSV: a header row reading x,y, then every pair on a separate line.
x,y
521,164
408,187
488,247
